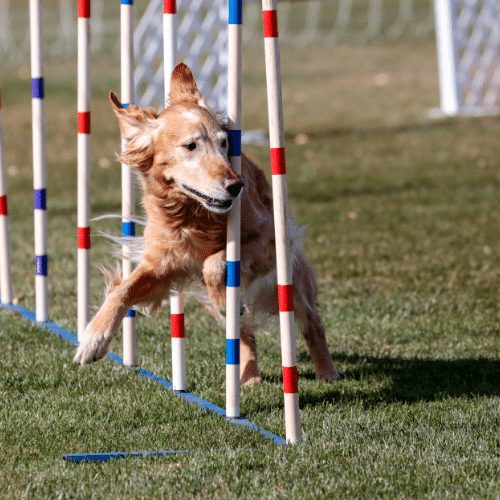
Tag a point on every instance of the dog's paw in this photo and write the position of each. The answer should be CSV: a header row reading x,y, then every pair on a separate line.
x,y
251,381
93,347
332,376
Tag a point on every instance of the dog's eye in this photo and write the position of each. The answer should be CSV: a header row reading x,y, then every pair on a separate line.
x,y
223,144
191,146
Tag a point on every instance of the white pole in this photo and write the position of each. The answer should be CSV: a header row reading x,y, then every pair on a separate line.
x,y
280,204
5,262
234,219
128,198
39,173
83,180
176,298
444,14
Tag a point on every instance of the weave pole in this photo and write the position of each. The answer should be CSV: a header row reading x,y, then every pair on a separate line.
x,y
176,299
39,170
280,204
233,306
5,262
83,217
128,195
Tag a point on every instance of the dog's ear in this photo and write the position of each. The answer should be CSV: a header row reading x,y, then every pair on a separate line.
x,y
137,126
183,87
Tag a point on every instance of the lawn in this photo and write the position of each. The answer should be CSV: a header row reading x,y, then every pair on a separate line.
x,y
402,227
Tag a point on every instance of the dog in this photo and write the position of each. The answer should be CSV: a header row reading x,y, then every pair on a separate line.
x,y
181,158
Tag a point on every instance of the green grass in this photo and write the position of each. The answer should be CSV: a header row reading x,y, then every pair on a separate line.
x,y
402,216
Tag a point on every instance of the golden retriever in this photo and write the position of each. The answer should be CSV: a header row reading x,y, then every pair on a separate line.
x,y
181,158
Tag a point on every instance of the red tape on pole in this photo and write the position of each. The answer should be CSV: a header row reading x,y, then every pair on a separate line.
x,y
270,23
169,7
84,122
285,298
3,205
83,8
290,379
177,326
278,161
83,236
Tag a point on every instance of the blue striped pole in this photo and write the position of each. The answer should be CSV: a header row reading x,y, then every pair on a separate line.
x,y
233,305
128,198
39,173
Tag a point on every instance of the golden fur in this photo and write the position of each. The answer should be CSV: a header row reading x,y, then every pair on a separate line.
x,y
180,155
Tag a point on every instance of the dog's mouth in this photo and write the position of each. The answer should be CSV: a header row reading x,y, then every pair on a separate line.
x,y
213,204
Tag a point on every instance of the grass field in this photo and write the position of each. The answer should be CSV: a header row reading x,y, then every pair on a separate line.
x,y
402,217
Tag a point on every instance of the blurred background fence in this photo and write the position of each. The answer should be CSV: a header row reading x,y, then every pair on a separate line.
x,y
473,56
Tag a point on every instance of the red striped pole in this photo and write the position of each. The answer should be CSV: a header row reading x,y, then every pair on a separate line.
x,y
280,203
128,198
176,299
83,167
39,170
5,262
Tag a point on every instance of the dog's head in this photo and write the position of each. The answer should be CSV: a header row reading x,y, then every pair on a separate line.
x,y
182,151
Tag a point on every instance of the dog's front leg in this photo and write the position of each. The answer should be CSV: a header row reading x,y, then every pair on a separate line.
x,y
143,285
214,276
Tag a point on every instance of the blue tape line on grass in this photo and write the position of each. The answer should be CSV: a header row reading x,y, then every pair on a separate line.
x,y
189,397
77,458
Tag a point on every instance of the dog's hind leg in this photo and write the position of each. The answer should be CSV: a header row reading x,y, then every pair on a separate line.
x,y
305,301
249,370
143,285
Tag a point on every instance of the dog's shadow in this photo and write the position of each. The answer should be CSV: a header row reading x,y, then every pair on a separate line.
x,y
374,380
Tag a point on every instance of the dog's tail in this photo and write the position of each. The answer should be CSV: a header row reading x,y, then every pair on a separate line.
x,y
125,247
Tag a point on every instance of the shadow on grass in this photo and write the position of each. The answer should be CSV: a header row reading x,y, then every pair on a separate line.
x,y
378,380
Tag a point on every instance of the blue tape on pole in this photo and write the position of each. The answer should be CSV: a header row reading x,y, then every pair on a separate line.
x,y
40,199
130,313
124,105
233,273
37,88
234,139
189,397
128,228
41,265
232,351
235,12
127,2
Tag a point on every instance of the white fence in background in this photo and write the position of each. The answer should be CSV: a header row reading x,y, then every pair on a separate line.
x,y
202,44
468,42
468,39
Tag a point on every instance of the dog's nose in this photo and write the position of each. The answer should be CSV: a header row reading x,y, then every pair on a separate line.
x,y
234,187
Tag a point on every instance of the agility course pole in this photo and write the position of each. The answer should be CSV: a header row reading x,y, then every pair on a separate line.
x,y
83,218
233,305
280,204
128,195
39,173
176,299
5,262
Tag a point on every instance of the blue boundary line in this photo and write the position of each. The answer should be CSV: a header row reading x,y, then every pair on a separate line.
x,y
187,396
